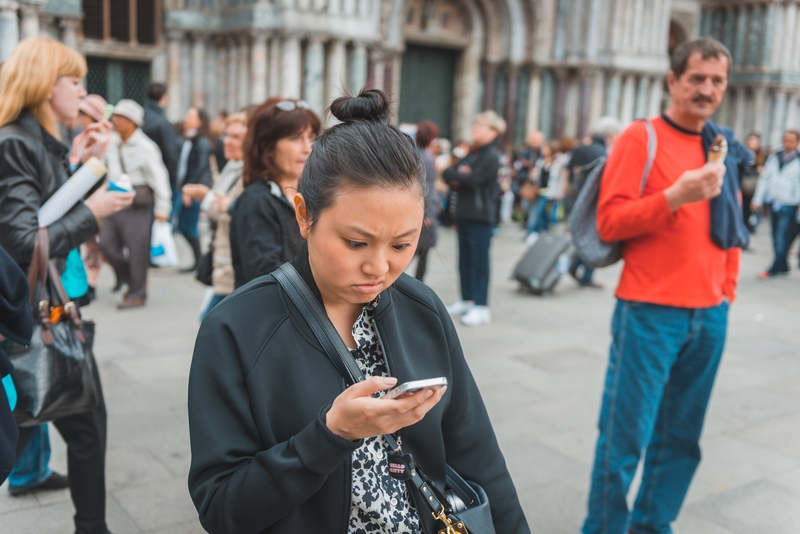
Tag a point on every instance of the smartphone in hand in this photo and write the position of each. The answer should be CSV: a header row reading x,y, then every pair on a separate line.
x,y
415,385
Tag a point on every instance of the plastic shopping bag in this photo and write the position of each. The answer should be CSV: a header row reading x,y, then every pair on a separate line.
x,y
163,251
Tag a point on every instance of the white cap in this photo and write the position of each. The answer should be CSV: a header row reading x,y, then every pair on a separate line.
x,y
130,110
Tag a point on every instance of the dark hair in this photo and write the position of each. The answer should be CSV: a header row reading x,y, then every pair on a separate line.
x,y
156,91
266,125
707,46
427,131
362,151
204,130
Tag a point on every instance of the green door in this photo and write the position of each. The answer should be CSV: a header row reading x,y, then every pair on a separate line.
x,y
426,86
115,80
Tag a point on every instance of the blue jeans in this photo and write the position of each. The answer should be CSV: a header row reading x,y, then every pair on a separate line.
x,y
783,230
216,299
474,239
32,467
538,219
187,217
586,278
662,365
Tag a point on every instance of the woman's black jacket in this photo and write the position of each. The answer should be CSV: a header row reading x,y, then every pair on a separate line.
x,y
198,166
33,166
263,460
264,232
477,190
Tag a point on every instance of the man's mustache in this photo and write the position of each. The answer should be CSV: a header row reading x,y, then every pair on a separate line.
x,y
703,98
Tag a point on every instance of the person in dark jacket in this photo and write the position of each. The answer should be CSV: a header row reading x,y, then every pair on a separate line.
x,y
264,232
427,131
475,180
194,167
40,86
279,444
160,130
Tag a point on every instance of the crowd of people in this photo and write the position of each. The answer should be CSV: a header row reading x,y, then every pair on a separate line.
x,y
347,209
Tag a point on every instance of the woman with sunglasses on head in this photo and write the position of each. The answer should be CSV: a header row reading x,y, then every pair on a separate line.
x,y
263,229
279,443
40,87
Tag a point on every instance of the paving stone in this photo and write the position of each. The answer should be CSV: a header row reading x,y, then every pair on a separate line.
x,y
134,466
757,404
688,523
158,504
566,508
780,434
52,518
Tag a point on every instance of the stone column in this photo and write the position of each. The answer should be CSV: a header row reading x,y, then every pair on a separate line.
x,y
778,116
358,67
613,93
628,98
375,69
596,104
9,28
336,81
69,32
291,84
534,99
512,101
740,111
656,95
223,82
792,110
211,79
584,100
759,110
489,86
334,7
244,72
789,32
314,88
642,97
174,103
233,75
741,37
198,70
258,68
29,15
275,65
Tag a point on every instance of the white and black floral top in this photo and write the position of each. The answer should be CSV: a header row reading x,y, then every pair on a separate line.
x,y
379,503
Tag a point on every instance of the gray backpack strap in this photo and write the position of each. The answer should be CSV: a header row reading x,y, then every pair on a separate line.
x,y
652,145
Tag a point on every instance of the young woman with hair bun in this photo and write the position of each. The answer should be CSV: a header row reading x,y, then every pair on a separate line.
x,y
279,443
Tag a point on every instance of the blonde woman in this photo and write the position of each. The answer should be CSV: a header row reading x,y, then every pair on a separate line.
x,y
40,86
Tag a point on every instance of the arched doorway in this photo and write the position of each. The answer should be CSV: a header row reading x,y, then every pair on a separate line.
x,y
436,33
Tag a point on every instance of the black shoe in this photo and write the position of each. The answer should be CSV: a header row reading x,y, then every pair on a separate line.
x,y
53,482
188,270
117,286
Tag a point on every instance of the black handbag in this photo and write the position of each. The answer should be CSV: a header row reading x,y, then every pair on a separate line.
x,y
54,375
464,506
205,268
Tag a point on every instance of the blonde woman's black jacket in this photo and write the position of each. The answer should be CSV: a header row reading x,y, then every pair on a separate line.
x,y
263,460
478,189
33,166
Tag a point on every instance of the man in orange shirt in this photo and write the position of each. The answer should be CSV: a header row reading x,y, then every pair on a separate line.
x,y
671,317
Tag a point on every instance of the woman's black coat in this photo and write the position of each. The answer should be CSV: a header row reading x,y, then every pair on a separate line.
x,y
264,232
477,190
198,166
263,460
33,166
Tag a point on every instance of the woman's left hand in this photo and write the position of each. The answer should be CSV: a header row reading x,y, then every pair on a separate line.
x,y
187,201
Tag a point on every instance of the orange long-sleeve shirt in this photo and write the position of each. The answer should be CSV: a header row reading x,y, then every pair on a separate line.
x,y
670,258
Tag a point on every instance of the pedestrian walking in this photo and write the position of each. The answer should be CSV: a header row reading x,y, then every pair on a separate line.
x,y
216,202
780,183
264,232
603,134
674,293
40,86
547,179
474,178
279,442
194,167
750,180
125,236
160,130
427,132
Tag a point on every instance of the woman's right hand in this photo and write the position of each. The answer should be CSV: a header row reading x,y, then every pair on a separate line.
x,y
103,202
356,414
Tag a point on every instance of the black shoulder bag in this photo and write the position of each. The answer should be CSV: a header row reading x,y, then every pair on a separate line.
x,y
464,506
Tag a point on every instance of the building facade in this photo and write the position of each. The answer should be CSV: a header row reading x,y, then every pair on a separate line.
x,y
553,65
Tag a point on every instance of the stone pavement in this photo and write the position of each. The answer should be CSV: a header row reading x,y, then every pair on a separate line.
x,y
540,366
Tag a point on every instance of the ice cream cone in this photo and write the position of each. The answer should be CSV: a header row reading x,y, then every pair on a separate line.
x,y
718,149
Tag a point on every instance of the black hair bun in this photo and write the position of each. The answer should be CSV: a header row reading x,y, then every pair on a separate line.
x,y
369,105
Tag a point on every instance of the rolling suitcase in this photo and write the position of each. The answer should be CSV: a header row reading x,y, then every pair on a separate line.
x,y
543,263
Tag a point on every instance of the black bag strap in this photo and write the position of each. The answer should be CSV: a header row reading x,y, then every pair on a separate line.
x,y
305,301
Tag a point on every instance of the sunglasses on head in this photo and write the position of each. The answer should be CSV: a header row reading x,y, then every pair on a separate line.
x,y
291,105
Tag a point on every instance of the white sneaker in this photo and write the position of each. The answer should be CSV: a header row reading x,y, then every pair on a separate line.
x,y
532,238
460,307
477,316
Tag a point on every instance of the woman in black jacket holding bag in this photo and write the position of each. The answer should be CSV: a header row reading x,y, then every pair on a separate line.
x,y
475,180
40,86
279,443
264,232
